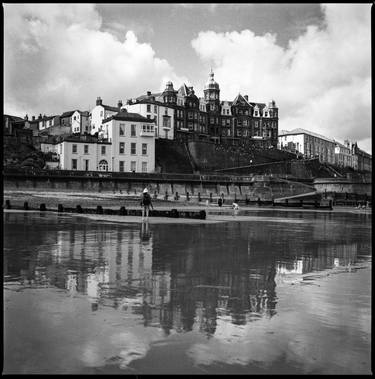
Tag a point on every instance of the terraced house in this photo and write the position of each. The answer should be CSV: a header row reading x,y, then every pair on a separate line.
x,y
182,115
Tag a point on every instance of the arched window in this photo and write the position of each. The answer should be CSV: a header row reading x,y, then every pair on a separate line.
x,y
103,165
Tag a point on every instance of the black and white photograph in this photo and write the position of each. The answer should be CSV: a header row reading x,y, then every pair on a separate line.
x,y
187,188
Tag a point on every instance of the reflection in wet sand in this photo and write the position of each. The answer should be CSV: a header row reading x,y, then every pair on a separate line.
x,y
215,280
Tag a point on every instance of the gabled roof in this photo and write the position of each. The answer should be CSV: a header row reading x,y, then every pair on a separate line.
x,y
240,100
183,90
127,116
67,114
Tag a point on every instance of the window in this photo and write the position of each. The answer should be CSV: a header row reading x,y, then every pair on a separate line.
x,y
133,166
86,164
74,118
103,165
144,166
101,113
122,129
74,149
227,111
122,148
148,108
132,130
190,115
133,148
121,166
155,109
144,148
86,149
103,150
74,164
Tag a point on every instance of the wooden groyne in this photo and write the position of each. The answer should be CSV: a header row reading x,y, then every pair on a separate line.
x,y
122,211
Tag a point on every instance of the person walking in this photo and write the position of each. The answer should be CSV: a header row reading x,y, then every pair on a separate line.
x,y
146,203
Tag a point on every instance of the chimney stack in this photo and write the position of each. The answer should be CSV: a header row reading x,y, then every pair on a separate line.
x,y
33,118
246,98
119,104
99,101
148,93
27,118
40,116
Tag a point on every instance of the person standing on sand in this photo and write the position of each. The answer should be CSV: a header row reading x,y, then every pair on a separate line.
x,y
146,203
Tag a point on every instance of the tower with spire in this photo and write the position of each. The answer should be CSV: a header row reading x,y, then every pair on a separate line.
x,y
212,98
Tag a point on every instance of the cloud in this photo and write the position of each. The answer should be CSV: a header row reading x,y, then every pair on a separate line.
x,y
321,81
57,57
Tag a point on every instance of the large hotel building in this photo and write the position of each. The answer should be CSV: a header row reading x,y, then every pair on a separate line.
x,y
181,115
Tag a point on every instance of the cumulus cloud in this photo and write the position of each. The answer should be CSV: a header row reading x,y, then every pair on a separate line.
x,y
321,81
58,57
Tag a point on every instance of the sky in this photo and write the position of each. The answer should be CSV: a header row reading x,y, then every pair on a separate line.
x,y
313,60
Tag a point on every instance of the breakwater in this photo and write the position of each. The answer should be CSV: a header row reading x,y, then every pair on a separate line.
x,y
122,211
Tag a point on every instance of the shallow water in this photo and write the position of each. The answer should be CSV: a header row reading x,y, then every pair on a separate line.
x,y
280,293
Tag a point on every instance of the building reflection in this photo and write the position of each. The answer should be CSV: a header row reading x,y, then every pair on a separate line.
x,y
175,280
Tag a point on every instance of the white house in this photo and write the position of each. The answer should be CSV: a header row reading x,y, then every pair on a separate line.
x,y
133,141
48,121
102,112
78,121
84,154
163,115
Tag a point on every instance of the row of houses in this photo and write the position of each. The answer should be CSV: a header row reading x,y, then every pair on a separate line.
x,y
122,137
311,145
126,144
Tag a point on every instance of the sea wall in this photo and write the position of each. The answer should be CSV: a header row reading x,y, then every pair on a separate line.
x,y
257,187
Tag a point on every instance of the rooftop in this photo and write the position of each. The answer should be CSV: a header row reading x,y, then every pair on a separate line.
x,y
304,131
127,116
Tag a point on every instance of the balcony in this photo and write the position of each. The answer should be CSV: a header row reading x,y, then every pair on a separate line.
x,y
147,131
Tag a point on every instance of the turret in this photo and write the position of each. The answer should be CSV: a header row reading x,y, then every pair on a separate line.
x,y
169,94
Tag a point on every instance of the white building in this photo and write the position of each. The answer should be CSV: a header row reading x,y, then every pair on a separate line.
x,y
102,112
309,144
48,121
133,141
153,109
78,121
84,155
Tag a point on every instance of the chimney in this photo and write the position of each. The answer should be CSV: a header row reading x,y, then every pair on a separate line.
x,y
26,118
40,116
246,98
33,118
99,101
148,93
119,104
